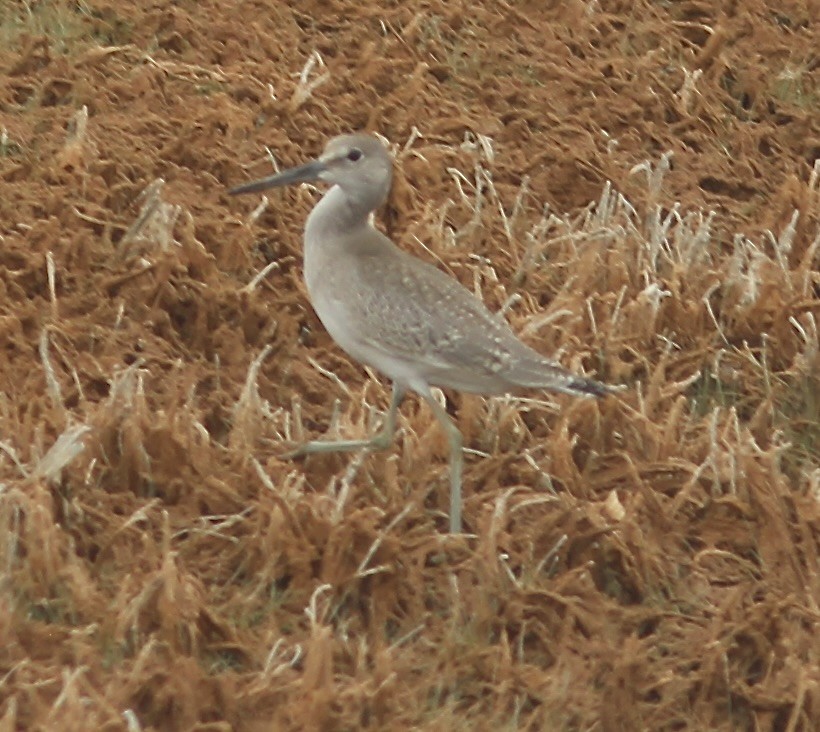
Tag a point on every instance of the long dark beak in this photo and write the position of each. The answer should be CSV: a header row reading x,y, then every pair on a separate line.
x,y
301,174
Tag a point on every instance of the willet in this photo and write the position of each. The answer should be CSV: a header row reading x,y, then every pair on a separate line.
x,y
398,314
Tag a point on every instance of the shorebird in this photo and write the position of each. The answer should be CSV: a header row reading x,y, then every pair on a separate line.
x,y
398,314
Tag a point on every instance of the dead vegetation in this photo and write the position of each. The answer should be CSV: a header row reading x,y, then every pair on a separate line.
x,y
646,563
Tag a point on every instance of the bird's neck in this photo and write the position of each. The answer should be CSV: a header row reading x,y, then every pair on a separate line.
x,y
337,212
332,224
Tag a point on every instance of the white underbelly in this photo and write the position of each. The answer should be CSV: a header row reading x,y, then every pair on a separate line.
x,y
353,339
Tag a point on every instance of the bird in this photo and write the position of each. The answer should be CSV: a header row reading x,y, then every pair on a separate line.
x,y
398,314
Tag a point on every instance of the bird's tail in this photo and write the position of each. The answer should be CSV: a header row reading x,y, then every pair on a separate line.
x,y
551,376
589,387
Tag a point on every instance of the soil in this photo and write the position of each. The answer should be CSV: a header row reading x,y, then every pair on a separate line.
x,y
644,562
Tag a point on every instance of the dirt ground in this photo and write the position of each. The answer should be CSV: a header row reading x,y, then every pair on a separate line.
x,y
635,183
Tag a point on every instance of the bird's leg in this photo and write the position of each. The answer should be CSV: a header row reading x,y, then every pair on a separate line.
x,y
380,441
456,459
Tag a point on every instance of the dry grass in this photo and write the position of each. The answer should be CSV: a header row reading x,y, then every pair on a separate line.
x,y
649,562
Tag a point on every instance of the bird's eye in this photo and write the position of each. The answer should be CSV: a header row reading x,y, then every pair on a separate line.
x,y
354,155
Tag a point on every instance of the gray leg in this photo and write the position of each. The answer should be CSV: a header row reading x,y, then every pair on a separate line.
x,y
456,460
380,441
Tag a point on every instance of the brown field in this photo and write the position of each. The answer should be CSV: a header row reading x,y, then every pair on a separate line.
x,y
635,183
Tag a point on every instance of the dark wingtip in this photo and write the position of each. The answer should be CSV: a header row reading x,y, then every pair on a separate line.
x,y
593,388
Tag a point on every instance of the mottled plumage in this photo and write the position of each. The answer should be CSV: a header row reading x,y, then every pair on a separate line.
x,y
398,314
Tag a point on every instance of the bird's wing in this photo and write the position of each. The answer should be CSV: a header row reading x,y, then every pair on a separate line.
x,y
413,310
